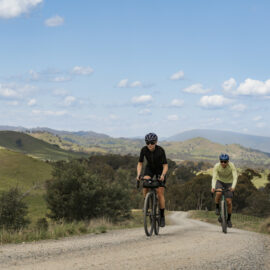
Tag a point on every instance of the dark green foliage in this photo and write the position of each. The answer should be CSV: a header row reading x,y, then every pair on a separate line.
x,y
194,194
84,189
42,224
13,210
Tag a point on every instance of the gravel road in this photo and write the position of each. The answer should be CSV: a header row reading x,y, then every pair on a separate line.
x,y
188,244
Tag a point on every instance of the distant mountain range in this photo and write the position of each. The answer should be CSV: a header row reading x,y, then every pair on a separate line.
x,y
225,137
47,146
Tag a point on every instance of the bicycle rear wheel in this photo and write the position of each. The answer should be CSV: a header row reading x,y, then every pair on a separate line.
x,y
148,214
156,217
223,216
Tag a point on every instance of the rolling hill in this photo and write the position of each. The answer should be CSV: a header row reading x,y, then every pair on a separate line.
x,y
225,137
22,142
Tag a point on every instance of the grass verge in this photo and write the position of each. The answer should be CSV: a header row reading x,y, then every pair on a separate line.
x,y
64,229
244,222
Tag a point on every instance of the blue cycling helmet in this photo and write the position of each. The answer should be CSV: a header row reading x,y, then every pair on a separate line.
x,y
151,137
224,157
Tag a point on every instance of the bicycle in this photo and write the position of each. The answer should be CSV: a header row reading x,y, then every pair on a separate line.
x,y
151,214
223,213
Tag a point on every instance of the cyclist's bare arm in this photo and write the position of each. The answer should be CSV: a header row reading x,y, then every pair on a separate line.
x,y
165,169
139,170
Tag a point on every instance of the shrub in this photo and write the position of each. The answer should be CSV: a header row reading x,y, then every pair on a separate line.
x,y
13,210
42,224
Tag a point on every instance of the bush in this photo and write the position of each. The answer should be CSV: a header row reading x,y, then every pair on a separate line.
x,y
42,224
265,227
77,192
13,210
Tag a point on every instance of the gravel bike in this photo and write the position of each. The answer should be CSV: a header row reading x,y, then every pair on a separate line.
x,y
223,212
151,214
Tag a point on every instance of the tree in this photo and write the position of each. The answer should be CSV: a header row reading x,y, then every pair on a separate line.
x,y
13,210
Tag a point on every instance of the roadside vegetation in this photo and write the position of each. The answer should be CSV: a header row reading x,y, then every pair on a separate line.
x,y
98,193
240,221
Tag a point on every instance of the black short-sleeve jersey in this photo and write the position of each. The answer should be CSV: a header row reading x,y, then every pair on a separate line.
x,y
155,159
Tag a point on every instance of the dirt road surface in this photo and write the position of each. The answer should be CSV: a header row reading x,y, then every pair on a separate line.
x,y
188,244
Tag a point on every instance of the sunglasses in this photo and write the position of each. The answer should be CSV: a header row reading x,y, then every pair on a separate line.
x,y
151,142
223,161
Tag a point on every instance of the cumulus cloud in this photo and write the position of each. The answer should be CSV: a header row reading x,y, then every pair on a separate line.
x,y
7,92
145,112
173,117
253,87
257,118
214,101
178,75
82,70
13,8
32,102
61,79
239,107
69,100
229,85
136,84
196,89
123,83
54,21
142,99
177,102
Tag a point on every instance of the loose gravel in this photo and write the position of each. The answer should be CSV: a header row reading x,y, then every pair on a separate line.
x,y
188,244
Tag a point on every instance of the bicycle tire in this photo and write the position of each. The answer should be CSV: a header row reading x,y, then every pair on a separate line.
x,y
156,217
148,212
224,216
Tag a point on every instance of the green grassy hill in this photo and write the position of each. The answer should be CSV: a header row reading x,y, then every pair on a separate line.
x,y
26,144
205,150
27,173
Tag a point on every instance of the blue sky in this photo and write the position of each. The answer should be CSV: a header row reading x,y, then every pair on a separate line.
x,y
128,67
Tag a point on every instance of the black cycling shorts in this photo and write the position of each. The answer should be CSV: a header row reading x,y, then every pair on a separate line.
x,y
149,172
220,185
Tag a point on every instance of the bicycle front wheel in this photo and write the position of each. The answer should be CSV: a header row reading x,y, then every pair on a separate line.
x,y
224,216
156,217
148,214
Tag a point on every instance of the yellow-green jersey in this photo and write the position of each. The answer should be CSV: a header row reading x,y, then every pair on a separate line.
x,y
226,175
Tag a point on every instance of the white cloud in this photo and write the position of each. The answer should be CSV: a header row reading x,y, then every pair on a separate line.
x,y
253,87
196,89
145,112
61,79
82,70
7,92
31,102
142,99
257,118
136,84
229,85
54,21
178,75
214,101
239,107
123,83
14,8
69,100
173,117
51,113
177,102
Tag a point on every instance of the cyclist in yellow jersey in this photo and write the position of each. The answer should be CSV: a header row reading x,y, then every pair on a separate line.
x,y
224,176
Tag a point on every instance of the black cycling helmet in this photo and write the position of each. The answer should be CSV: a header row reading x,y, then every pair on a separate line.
x,y
151,137
224,157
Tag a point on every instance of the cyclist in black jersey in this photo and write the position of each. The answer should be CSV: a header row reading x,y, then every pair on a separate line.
x,y
156,166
